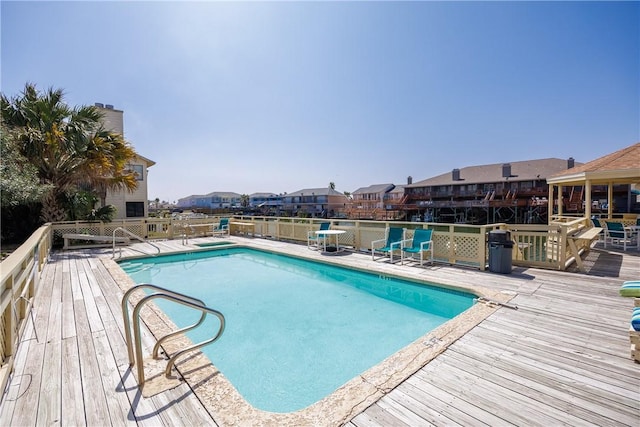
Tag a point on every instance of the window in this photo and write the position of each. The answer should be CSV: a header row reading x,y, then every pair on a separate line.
x,y
135,209
138,170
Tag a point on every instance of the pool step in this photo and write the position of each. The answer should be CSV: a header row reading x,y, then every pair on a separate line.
x,y
132,267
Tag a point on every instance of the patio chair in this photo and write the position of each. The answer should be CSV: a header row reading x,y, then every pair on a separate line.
x,y
313,239
392,242
596,223
420,244
615,232
221,228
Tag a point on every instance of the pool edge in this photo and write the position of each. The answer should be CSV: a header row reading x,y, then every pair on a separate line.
x,y
228,407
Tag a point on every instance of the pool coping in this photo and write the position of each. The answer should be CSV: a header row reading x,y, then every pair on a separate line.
x,y
228,407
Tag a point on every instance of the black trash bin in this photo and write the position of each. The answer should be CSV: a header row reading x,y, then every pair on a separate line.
x,y
500,250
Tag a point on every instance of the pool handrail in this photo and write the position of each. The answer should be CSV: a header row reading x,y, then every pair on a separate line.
x,y
171,296
135,236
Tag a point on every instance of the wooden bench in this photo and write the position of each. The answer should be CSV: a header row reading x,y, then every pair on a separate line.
x,y
203,229
107,239
585,238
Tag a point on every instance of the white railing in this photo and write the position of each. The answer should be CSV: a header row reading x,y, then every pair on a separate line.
x,y
544,246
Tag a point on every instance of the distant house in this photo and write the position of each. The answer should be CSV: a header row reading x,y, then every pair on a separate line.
x,y
370,202
265,203
188,202
371,197
224,200
503,192
315,202
394,197
128,204
214,200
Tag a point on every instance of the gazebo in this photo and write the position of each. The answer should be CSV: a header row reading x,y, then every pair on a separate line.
x,y
620,167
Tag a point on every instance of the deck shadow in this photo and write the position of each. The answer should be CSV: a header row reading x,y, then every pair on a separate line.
x,y
601,263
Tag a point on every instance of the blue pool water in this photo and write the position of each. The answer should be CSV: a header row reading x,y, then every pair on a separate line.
x,y
296,330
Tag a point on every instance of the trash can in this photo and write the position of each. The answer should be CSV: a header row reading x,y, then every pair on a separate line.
x,y
500,251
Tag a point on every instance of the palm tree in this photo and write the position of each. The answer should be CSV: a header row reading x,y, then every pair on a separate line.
x,y
108,157
68,146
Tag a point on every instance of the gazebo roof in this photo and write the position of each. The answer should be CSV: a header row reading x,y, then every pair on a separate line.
x,y
620,167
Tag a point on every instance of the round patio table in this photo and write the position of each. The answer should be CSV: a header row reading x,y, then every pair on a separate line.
x,y
326,233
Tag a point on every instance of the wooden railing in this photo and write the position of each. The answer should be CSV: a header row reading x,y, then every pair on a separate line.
x,y
543,246
535,245
19,282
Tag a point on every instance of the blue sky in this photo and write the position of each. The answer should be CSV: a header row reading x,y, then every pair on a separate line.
x,y
280,96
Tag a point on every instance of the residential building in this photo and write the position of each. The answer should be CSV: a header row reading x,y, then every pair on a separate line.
x,y
371,197
509,192
394,197
188,202
214,200
128,204
369,202
265,203
224,200
314,202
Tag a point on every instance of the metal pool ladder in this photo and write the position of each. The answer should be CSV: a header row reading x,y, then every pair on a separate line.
x,y
166,294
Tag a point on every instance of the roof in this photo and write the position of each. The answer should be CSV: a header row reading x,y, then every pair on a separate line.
x,y
148,161
375,188
223,194
622,166
398,189
263,195
325,191
527,170
193,196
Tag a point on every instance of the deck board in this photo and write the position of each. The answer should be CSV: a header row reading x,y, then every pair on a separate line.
x,y
95,403
572,401
68,318
561,358
72,399
447,404
423,413
49,408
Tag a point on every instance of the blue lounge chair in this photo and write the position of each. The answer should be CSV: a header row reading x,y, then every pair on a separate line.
x,y
393,242
596,223
221,228
313,239
615,231
420,244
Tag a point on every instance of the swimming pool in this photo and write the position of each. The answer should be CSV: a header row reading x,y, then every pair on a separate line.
x,y
297,330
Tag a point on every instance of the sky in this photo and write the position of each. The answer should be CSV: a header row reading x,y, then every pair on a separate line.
x,y
277,97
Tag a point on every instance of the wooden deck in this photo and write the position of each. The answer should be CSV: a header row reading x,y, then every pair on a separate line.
x,y
561,358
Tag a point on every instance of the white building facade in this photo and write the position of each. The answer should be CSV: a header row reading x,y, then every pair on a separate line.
x,y
128,204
